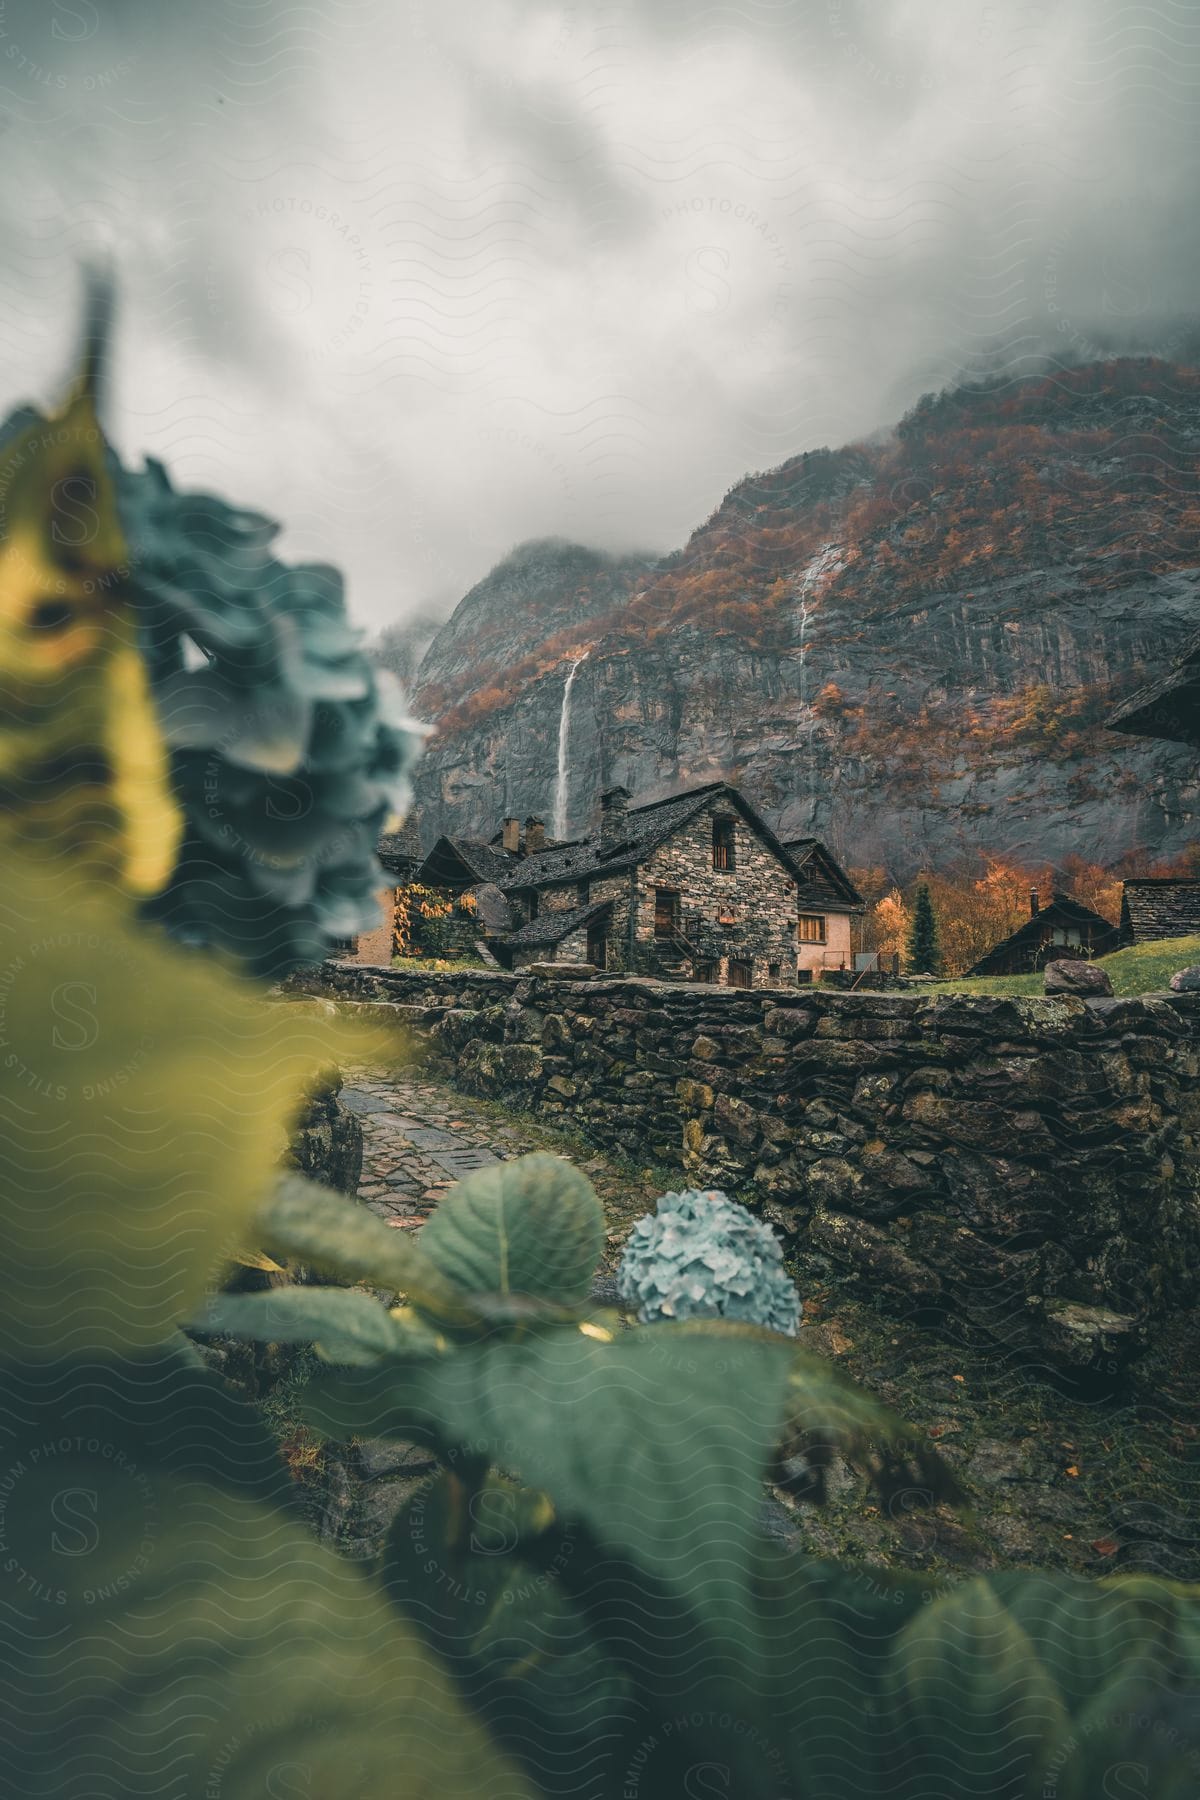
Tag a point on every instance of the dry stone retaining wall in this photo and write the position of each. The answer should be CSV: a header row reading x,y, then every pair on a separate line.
x,y
1022,1169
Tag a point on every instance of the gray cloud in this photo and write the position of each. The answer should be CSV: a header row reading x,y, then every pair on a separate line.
x,y
424,281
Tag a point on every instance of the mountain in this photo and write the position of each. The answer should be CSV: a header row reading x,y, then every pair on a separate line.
x,y
908,646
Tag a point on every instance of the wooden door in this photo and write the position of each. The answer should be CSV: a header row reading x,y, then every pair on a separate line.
x,y
666,912
741,974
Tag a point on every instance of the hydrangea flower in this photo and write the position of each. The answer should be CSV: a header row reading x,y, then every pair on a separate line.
x,y
700,1255
289,749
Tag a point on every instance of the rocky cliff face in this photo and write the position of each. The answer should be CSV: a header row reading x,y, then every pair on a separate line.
x,y
907,647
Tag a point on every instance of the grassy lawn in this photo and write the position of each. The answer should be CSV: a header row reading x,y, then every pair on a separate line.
x,y
1145,969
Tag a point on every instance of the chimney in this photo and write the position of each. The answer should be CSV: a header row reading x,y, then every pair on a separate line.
x,y
511,835
614,803
535,836
1033,903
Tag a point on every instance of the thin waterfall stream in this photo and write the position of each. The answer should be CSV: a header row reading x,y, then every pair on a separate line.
x,y
564,735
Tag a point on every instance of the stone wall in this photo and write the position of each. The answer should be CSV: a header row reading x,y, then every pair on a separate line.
x,y
1024,1170
326,1141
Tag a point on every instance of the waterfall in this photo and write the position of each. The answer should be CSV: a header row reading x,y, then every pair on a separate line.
x,y
564,733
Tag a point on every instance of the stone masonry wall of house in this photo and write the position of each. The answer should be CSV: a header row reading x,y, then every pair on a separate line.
x,y
758,892
1023,1170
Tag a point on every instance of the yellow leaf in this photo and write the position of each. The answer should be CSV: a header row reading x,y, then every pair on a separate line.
x,y
255,1259
84,770
145,1096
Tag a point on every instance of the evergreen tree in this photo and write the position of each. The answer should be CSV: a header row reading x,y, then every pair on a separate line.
x,y
924,956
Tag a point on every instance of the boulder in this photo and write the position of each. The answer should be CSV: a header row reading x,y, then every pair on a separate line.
x,y
1186,981
1082,978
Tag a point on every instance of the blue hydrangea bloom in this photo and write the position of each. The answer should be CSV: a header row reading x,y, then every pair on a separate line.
x,y
700,1255
290,751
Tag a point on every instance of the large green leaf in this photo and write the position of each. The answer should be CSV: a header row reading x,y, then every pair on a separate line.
x,y
974,1710
825,1634
453,1555
1090,1634
657,1442
533,1226
347,1326
314,1225
1138,1740
145,1095
171,1632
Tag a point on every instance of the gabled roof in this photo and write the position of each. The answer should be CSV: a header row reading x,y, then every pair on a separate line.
x,y
1060,909
1159,909
466,859
553,927
644,828
1169,707
396,854
827,883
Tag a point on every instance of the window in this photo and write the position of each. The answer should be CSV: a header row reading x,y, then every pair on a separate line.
x,y
723,844
773,973
811,928
584,893
533,906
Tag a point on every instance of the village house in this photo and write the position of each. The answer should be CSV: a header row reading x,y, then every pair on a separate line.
x,y
693,887
1061,928
1153,909
399,856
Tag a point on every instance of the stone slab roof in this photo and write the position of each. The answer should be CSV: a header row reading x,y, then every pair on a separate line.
x,y
553,927
395,853
486,862
646,827
1153,909
825,881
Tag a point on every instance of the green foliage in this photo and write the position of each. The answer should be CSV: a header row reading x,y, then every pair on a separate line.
x,y
923,954
530,1227
589,1565
172,1629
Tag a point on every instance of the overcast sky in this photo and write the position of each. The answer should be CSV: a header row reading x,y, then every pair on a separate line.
x,y
423,278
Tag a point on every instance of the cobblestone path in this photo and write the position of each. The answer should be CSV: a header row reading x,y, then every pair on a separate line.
x,y
420,1137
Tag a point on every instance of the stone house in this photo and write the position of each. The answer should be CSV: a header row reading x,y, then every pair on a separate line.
x,y
693,887
1152,909
399,856
1061,928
